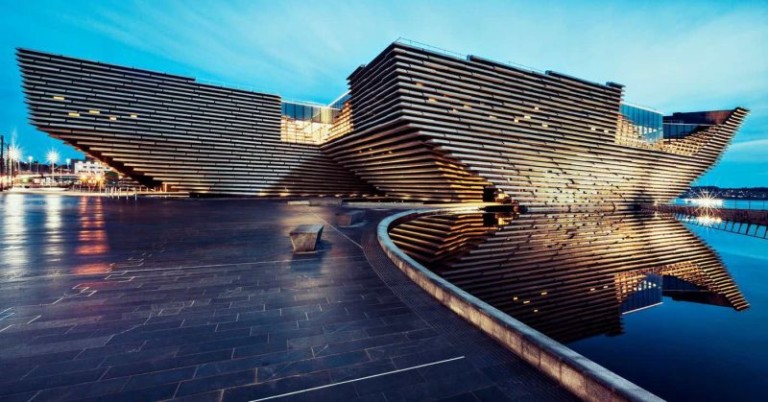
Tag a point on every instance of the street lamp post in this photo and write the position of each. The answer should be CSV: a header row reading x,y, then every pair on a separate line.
x,y
9,167
53,157
2,163
14,155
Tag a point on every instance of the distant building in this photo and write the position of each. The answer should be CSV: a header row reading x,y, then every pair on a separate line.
x,y
90,168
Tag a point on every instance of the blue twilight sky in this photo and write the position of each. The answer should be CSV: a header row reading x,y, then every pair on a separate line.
x,y
671,55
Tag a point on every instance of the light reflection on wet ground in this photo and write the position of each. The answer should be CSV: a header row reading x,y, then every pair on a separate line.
x,y
51,235
153,299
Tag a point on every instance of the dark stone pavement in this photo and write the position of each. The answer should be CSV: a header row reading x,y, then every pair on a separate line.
x,y
184,299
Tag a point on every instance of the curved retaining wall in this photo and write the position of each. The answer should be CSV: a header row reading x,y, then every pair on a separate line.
x,y
585,378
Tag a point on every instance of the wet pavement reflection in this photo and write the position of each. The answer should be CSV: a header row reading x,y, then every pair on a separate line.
x,y
154,299
52,235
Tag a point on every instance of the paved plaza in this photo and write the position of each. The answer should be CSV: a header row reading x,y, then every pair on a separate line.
x,y
203,299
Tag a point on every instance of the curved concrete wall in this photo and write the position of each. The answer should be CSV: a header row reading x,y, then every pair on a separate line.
x,y
583,377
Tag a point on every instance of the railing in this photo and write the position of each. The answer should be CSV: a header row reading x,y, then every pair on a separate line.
x,y
236,86
430,48
461,56
750,222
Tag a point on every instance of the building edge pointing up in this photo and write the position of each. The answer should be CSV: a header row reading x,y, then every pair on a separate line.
x,y
419,125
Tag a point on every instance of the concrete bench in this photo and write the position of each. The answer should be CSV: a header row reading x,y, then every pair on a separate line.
x,y
349,218
305,237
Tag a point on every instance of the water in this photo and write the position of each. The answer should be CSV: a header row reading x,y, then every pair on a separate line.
x,y
686,351
679,310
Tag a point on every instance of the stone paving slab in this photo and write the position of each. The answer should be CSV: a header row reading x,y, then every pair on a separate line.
x,y
189,299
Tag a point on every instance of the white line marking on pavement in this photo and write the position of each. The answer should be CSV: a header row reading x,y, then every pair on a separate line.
x,y
357,379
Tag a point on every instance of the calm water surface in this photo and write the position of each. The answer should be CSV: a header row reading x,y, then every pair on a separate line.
x,y
696,352
680,310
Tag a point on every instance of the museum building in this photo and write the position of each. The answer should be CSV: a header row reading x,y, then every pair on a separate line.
x,y
417,124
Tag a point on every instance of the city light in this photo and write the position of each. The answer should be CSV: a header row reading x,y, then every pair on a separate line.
x,y
53,157
707,211
706,201
14,153
707,220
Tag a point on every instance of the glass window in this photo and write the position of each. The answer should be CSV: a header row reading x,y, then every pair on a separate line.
x,y
647,123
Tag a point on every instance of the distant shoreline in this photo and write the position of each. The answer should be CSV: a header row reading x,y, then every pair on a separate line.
x,y
738,193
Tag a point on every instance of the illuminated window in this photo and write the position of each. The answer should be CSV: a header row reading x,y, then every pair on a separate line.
x,y
592,129
468,107
93,111
419,84
605,131
112,118
58,98
545,125
517,120
527,117
535,108
492,117
133,116
433,100
74,114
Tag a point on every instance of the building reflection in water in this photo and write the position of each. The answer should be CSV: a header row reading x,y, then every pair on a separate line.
x,y
570,275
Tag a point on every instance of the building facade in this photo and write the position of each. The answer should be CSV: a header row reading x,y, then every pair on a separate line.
x,y
90,168
416,124
161,129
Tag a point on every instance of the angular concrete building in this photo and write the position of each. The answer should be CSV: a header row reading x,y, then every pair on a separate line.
x,y
161,129
416,124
